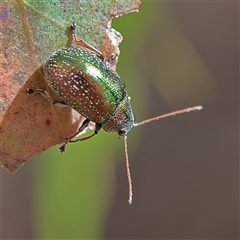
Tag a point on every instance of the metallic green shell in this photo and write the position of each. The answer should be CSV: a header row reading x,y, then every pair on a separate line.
x,y
84,82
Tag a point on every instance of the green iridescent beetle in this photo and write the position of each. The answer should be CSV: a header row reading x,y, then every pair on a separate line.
x,y
84,81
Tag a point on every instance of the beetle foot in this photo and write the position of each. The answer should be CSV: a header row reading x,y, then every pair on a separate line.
x,y
62,149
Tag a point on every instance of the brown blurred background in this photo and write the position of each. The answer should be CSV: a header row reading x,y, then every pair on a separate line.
x,y
186,169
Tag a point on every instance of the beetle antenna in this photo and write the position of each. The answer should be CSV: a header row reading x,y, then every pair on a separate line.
x,y
128,171
169,115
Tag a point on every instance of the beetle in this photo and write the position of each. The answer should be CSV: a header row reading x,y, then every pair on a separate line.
x,y
84,80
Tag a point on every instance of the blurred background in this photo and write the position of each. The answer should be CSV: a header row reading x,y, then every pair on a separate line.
x,y
185,169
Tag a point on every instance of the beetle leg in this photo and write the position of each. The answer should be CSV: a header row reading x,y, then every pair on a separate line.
x,y
83,44
112,60
98,126
46,96
83,126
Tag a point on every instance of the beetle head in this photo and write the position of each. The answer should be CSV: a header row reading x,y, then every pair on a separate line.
x,y
122,120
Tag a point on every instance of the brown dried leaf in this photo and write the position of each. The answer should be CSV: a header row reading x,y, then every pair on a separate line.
x,y
30,32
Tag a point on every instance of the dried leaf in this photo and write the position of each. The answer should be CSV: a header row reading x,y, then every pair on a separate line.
x,y
30,32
